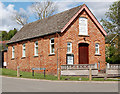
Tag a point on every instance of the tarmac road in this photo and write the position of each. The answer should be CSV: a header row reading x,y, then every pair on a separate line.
x,y
12,84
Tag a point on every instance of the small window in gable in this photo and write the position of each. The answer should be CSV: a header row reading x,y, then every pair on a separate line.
x,y
83,26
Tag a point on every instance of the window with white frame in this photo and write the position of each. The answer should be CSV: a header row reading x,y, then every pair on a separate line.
x,y
52,48
13,52
97,48
69,47
36,48
83,26
23,50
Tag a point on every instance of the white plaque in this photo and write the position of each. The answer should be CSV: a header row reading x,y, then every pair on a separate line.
x,y
70,60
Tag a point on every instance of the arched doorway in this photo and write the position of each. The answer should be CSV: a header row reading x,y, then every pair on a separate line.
x,y
83,53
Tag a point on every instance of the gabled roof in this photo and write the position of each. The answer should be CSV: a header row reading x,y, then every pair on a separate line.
x,y
56,23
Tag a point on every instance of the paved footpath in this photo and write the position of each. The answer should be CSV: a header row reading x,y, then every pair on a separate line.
x,y
12,84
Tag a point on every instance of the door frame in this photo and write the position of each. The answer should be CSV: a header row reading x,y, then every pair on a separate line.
x,y
79,52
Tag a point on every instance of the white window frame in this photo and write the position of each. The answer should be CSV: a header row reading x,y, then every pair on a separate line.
x,y
23,50
36,48
51,46
98,48
81,26
69,46
13,51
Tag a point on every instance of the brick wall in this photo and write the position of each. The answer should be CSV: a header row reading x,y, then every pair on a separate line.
x,y
48,61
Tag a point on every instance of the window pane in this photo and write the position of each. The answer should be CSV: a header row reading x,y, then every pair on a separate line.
x,y
36,43
96,45
23,50
23,45
13,53
97,48
24,53
36,50
69,47
52,48
68,44
52,40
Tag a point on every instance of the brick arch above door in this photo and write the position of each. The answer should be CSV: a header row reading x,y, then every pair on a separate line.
x,y
83,41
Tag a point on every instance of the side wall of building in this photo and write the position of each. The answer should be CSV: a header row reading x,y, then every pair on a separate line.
x,y
43,60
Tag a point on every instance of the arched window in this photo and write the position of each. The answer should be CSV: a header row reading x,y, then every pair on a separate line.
x,y
23,52
69,47
36,48
97,48
52,48
13,52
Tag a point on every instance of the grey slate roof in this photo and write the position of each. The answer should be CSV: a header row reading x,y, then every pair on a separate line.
x,y
45,26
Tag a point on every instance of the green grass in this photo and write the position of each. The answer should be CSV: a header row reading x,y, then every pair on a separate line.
x,y
13,73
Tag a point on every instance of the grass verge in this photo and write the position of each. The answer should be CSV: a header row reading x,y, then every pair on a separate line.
x,y
13,73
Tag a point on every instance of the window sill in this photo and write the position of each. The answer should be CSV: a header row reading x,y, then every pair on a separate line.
x,y
69,53
23,57
52,54
97,54
35,55
83,35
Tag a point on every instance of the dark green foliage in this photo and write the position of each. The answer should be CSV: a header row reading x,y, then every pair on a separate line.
x,y
11,33
4,35
113,56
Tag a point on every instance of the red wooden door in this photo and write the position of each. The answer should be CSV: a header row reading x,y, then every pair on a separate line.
x,y
83,53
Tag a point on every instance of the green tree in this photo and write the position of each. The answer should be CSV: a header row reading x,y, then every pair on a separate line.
x,y
4,35
111,25
11,33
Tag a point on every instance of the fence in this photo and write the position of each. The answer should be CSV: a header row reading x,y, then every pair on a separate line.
x,y
78,66
79,69
113,69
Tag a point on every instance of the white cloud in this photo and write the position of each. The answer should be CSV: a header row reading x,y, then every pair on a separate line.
x,y
6,21
62,6
97,8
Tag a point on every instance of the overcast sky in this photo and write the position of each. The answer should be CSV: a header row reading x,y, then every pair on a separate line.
x,y
7,10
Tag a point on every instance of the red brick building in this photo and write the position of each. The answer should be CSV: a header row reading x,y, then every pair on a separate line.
x,y
70,37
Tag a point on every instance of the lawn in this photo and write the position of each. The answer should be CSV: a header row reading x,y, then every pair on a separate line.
x,y
13,73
